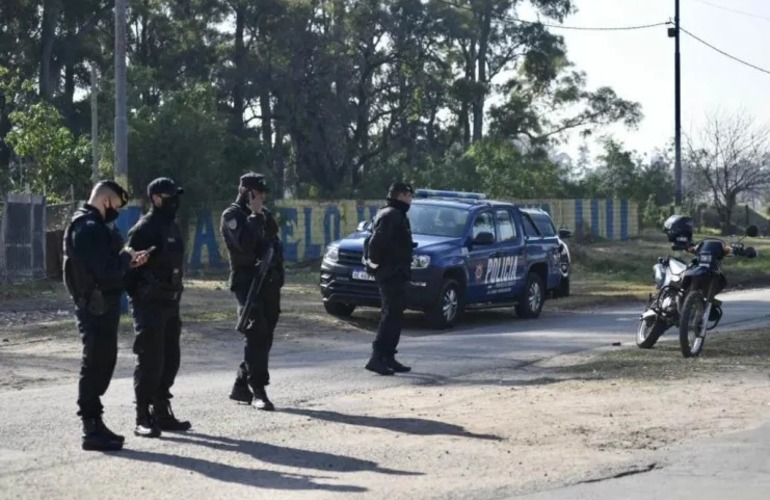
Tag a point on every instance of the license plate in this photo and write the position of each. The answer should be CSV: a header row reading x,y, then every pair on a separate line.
x,y
704,259
360,274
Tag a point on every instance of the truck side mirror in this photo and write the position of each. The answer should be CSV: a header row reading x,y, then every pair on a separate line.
x,y
565,234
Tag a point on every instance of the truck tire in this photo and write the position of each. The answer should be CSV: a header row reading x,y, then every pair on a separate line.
x,y
533,299
448,307
339,309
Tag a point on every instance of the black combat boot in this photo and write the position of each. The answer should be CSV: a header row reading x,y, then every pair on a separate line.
x,y
241,393
94,439
165,420
261,402
106,430
377,364
145,425
394,365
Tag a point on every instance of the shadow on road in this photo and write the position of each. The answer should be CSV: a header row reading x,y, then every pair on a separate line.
x,y
418,426
248,477
286,456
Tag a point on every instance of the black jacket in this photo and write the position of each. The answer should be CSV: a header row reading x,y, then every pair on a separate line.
x,y
160,279
390,246
93,255
247,236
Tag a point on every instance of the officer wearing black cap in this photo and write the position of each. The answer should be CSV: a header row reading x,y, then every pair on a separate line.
x,y
155,292
94,267
390,256
248,228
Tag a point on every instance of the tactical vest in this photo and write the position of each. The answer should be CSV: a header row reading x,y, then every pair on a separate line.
x,y
161,278
78,281
240,261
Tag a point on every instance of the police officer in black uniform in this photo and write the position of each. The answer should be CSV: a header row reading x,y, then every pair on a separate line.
x,y
95,263
248,228
155,292
390,257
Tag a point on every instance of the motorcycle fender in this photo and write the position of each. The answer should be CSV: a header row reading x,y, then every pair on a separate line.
x,y
649,313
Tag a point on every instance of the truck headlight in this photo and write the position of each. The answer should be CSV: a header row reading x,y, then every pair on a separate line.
x,y
420,261
332,253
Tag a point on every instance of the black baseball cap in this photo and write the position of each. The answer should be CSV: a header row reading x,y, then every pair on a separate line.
x,y
254,181
117,189
163,185
398,188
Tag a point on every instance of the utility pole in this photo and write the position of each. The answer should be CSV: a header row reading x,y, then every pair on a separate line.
x,y
121,123
94,125
674,33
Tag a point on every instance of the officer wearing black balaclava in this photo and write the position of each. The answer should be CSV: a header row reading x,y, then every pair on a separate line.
x,y
95,265
155,292
248,228
390,256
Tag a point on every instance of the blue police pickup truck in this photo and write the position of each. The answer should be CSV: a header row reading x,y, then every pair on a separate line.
x,y
472,253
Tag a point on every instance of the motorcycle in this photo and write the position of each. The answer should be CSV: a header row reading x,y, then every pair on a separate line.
x,y
685,295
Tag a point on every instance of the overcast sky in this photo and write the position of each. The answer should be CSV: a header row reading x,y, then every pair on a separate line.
x,y
639,65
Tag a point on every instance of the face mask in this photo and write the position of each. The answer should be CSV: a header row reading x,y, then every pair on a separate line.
x,y
170,205
110,215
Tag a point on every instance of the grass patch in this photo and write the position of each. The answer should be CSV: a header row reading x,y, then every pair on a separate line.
x,y
40,289
727,352
607,268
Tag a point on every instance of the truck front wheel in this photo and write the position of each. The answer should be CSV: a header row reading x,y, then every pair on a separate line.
x,y
448,305
534,297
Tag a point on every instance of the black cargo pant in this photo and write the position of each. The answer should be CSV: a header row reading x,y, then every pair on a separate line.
x,y
156,345
99,335
258,340
393,298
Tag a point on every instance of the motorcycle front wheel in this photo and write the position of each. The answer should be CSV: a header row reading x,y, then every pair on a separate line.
x,y
692,333
650,330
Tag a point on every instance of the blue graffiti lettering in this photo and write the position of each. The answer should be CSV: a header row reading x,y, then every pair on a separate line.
x,y
331,234
288,217
205,236
312,250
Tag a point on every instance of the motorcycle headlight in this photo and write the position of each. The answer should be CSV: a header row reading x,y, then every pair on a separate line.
x,y
420,261
332,253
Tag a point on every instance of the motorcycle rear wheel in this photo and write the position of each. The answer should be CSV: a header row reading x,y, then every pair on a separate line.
x,y
650,330
691,333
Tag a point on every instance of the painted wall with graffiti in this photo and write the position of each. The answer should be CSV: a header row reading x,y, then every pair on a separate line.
x,y
308,226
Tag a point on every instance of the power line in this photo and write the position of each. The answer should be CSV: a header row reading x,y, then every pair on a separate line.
x,y
561,26
735,11
704,42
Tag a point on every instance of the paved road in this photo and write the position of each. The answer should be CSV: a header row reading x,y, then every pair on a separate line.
x,y
233,453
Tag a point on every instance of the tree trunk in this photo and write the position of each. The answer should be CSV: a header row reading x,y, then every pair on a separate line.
x,y
51,10
239,54
481,62
267,126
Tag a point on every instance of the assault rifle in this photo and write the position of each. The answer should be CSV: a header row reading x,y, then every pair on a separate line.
x,y
247,311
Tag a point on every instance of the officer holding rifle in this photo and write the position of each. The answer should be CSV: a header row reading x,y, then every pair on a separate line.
x,y
249,230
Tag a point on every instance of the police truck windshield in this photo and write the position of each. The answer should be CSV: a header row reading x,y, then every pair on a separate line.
x,y
432,220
